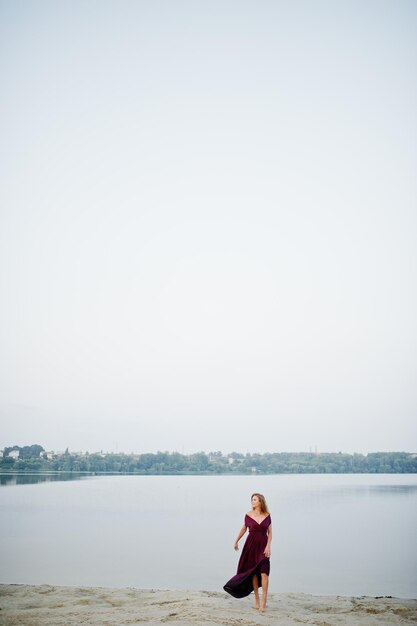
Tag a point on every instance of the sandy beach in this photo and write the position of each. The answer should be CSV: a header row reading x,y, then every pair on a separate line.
x,y
29,605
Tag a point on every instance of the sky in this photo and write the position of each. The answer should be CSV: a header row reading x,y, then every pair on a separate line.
x,y
208,225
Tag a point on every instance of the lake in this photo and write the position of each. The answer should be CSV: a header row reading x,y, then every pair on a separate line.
x,y
332,534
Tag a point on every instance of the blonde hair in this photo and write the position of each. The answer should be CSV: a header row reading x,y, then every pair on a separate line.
x,y
264,506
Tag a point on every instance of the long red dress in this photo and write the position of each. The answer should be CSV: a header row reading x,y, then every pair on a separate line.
x,y
252,560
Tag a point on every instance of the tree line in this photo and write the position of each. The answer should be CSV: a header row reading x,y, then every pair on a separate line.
x,y
34,458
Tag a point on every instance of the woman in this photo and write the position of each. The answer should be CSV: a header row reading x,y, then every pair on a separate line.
x,y
253,567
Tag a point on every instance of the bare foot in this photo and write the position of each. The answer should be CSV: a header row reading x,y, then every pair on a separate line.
x,y
262,609
255,606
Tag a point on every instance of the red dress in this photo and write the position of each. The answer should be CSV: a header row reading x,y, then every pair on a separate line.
x,y
252,560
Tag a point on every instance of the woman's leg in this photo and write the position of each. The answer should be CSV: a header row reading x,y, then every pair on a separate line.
x,y
256,590
265,581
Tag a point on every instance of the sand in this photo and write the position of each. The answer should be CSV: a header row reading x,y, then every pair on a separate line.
x,y
29,605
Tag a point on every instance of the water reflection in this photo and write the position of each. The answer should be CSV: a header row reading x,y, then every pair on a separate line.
x,y
8,480
398,489
376,490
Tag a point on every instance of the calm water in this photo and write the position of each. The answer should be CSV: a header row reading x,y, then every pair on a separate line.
x,y
333,534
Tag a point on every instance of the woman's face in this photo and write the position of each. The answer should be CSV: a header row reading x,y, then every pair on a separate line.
x,y
255,502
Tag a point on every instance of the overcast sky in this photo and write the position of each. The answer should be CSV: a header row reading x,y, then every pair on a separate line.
x,y
208,225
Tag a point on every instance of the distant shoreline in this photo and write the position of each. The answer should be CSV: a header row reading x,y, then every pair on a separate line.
x,y
110,473
47,605
35,459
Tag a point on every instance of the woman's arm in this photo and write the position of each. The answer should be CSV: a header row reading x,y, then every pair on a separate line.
x,y
240,535
267,550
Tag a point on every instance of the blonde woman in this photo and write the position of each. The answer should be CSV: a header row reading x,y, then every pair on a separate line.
x,y
253,568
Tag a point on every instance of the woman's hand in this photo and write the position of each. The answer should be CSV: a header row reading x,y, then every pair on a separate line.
x,y
236,546
267,552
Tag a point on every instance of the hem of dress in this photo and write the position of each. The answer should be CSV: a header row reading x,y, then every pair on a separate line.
x,y
244,587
